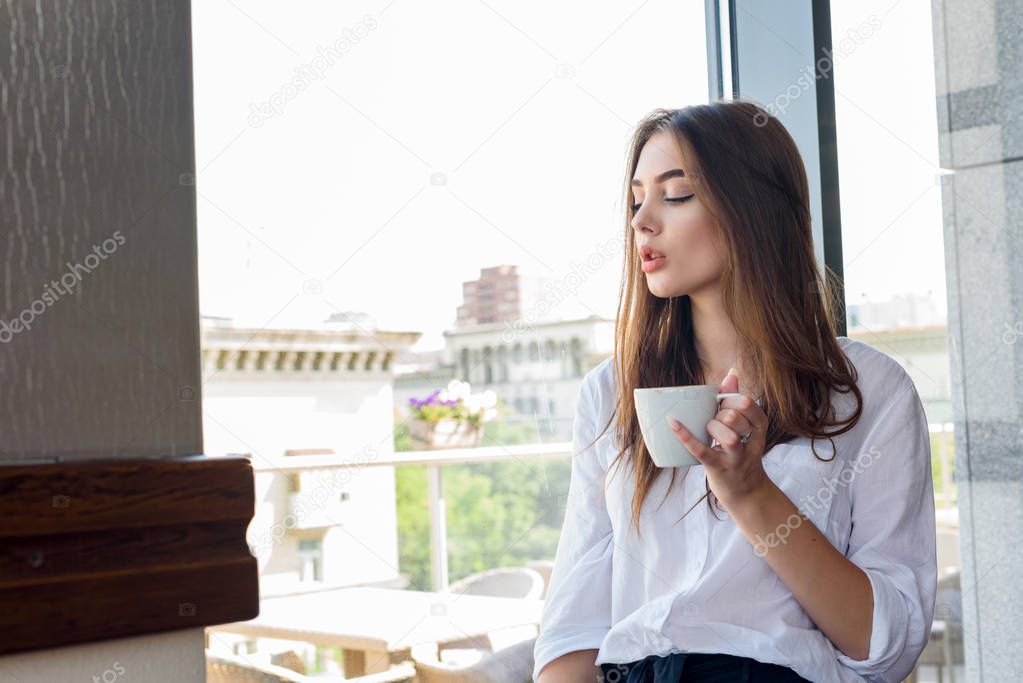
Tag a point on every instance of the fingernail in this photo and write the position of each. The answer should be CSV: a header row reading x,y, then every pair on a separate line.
x,y
731,371
674,424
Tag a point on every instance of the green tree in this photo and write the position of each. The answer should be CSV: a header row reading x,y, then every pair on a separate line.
x,y
498,513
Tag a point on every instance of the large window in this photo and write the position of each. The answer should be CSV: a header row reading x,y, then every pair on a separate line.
x,y
891,183
310,556
375,158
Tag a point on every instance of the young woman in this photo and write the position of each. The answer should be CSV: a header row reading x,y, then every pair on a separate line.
x,y
802,546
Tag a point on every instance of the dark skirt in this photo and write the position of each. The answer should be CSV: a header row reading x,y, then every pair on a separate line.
x,y
683,667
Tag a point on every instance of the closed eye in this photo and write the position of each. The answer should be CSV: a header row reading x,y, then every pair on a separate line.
x,y
673,200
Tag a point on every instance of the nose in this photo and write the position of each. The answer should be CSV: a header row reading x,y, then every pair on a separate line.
x,y
641,222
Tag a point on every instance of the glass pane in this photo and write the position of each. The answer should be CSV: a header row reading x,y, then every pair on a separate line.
x,y
892,241
356,165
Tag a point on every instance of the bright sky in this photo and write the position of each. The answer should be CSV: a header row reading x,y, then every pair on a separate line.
x,y
435,143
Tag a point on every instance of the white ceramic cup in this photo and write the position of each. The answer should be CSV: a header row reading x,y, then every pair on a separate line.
x,y
694,406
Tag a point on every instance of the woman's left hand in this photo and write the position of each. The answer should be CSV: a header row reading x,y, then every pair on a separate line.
x,y
734,469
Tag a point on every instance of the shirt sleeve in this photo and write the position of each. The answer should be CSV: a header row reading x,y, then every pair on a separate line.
x,y
893,537
577,609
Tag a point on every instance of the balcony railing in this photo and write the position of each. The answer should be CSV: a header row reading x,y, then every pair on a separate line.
x,y
435,460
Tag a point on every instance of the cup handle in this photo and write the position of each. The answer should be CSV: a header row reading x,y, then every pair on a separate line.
x,y
721,396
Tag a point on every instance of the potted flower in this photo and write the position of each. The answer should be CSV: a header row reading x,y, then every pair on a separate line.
x,y
451,417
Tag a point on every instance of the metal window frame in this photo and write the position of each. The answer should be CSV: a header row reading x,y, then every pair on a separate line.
x,y
745,59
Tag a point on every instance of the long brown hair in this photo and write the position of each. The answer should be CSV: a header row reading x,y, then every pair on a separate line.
x,y
751,178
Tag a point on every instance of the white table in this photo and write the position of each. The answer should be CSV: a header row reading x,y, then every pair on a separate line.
x,y
371,623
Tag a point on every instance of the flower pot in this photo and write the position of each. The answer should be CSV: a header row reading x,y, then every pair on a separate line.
x,y
428,436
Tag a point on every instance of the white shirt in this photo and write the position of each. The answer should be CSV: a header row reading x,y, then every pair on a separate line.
x,y
698,585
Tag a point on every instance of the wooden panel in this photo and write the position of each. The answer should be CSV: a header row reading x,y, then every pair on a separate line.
x,y
99,319
112,548
99,337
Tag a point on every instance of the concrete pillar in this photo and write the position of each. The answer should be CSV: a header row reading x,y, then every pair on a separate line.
x,y
978,63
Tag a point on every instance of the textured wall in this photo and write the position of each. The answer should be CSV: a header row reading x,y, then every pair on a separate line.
x,y
172,657
99,350
979,69
97,244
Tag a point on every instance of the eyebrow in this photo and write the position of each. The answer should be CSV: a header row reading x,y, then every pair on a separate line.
x,y
673,173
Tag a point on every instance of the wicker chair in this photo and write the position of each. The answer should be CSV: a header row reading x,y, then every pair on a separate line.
x,y
503,582
945,648
513,664
223,668
289,659
545,567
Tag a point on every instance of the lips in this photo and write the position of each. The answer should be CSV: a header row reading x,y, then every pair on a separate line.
x,y
649,254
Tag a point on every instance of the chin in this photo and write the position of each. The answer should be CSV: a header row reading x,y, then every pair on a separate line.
x,y
663,287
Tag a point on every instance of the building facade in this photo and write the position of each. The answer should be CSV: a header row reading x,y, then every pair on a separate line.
x,y
923,352
293,400
502,293
535,370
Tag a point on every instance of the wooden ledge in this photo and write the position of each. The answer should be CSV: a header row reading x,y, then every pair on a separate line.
x,y
114,548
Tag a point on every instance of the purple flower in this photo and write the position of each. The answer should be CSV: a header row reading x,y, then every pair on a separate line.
x,y
429,400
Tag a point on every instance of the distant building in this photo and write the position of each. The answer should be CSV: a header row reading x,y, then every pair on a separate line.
x,y
923,352
535,369
290,399
902,310
350,320
502,293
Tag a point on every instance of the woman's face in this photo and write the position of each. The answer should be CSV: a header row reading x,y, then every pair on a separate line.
x,y
671,220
